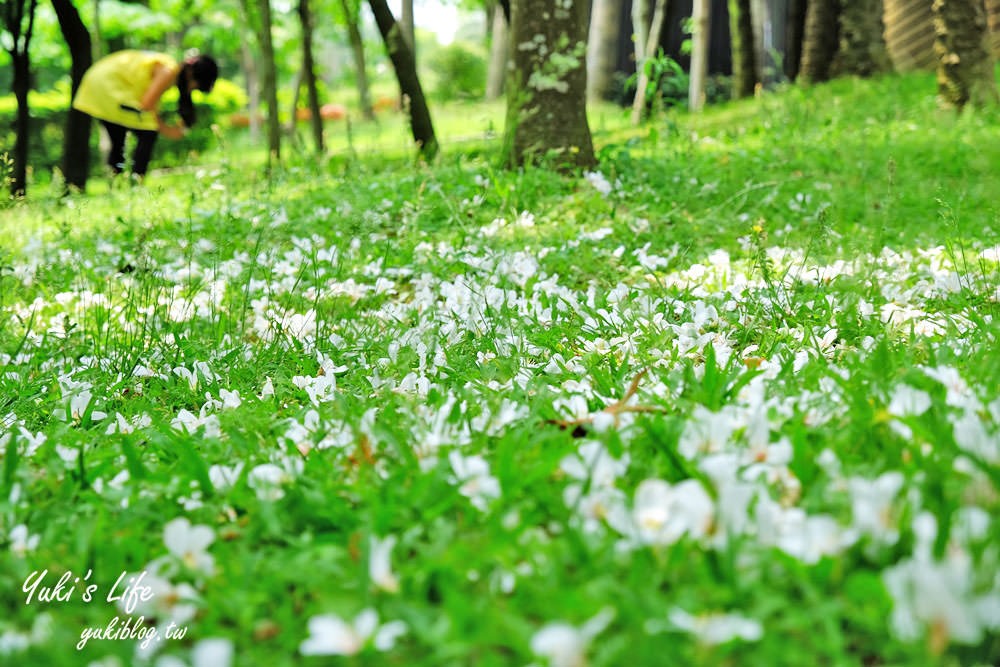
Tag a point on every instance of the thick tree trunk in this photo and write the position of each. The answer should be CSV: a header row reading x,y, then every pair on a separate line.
x,y
270,82
652,36
701,22
965,66
406,73
862,49
547,91
821,40
602,52
496,75
76,142
309,72
745,72
360,68
795,29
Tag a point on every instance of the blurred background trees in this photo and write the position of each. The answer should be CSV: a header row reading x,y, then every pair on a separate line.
x,y
424,53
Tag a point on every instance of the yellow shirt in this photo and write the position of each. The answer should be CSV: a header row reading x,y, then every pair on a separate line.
x,y
113,87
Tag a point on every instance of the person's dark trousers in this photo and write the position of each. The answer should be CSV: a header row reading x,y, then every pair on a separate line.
x,y
145,140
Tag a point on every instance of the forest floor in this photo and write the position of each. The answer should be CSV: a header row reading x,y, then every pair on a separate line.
x,y
730,399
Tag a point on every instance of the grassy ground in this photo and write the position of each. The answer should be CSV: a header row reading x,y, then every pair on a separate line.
x,y
731,399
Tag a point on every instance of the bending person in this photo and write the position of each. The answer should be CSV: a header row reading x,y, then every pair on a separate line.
x,y
123,91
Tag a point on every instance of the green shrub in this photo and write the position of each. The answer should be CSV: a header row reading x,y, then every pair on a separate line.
x,y
461,73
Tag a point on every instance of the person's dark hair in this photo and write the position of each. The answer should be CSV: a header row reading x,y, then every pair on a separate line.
x,y
204,71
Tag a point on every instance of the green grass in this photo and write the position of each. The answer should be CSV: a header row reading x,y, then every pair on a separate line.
x,y
778,302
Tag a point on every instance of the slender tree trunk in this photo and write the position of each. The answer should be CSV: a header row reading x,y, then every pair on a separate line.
x,y
98,43
547,91
794,37
821,40
497,73
965,65
862,49
409,83
253,89
649,49
76,141
360,69
15,12
745,72
602,51
270,83
309,71
701,23
408,27
22,124
642,11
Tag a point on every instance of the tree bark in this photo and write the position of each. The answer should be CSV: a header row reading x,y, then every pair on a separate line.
x,y
965,66
358,53
497,72
547,90
76,141
821,40
642,12
408,26
409,83
309,72
862,50
602,51
652,37
701,22
270,83
794,37
15,12
745,72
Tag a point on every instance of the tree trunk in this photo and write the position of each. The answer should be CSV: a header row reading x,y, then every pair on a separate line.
x,y
408,27
862,49
97,46
76,142
965,66
745,73
649,49
309,71
409,83
602,52
253,89
642,12
701,22
821,40
547,91
14,15
497,73
22,124
360,69
269,83
794,37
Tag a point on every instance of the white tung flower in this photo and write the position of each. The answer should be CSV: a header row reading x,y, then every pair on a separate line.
x,y
871,503
565,645
189,543
331,635
380,564
717,628
662,514
474,478
21,540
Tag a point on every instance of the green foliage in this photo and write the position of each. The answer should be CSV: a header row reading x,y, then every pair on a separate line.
x,y
460,73
724,271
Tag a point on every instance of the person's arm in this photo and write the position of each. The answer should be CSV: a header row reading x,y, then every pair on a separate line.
x,y
163,78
